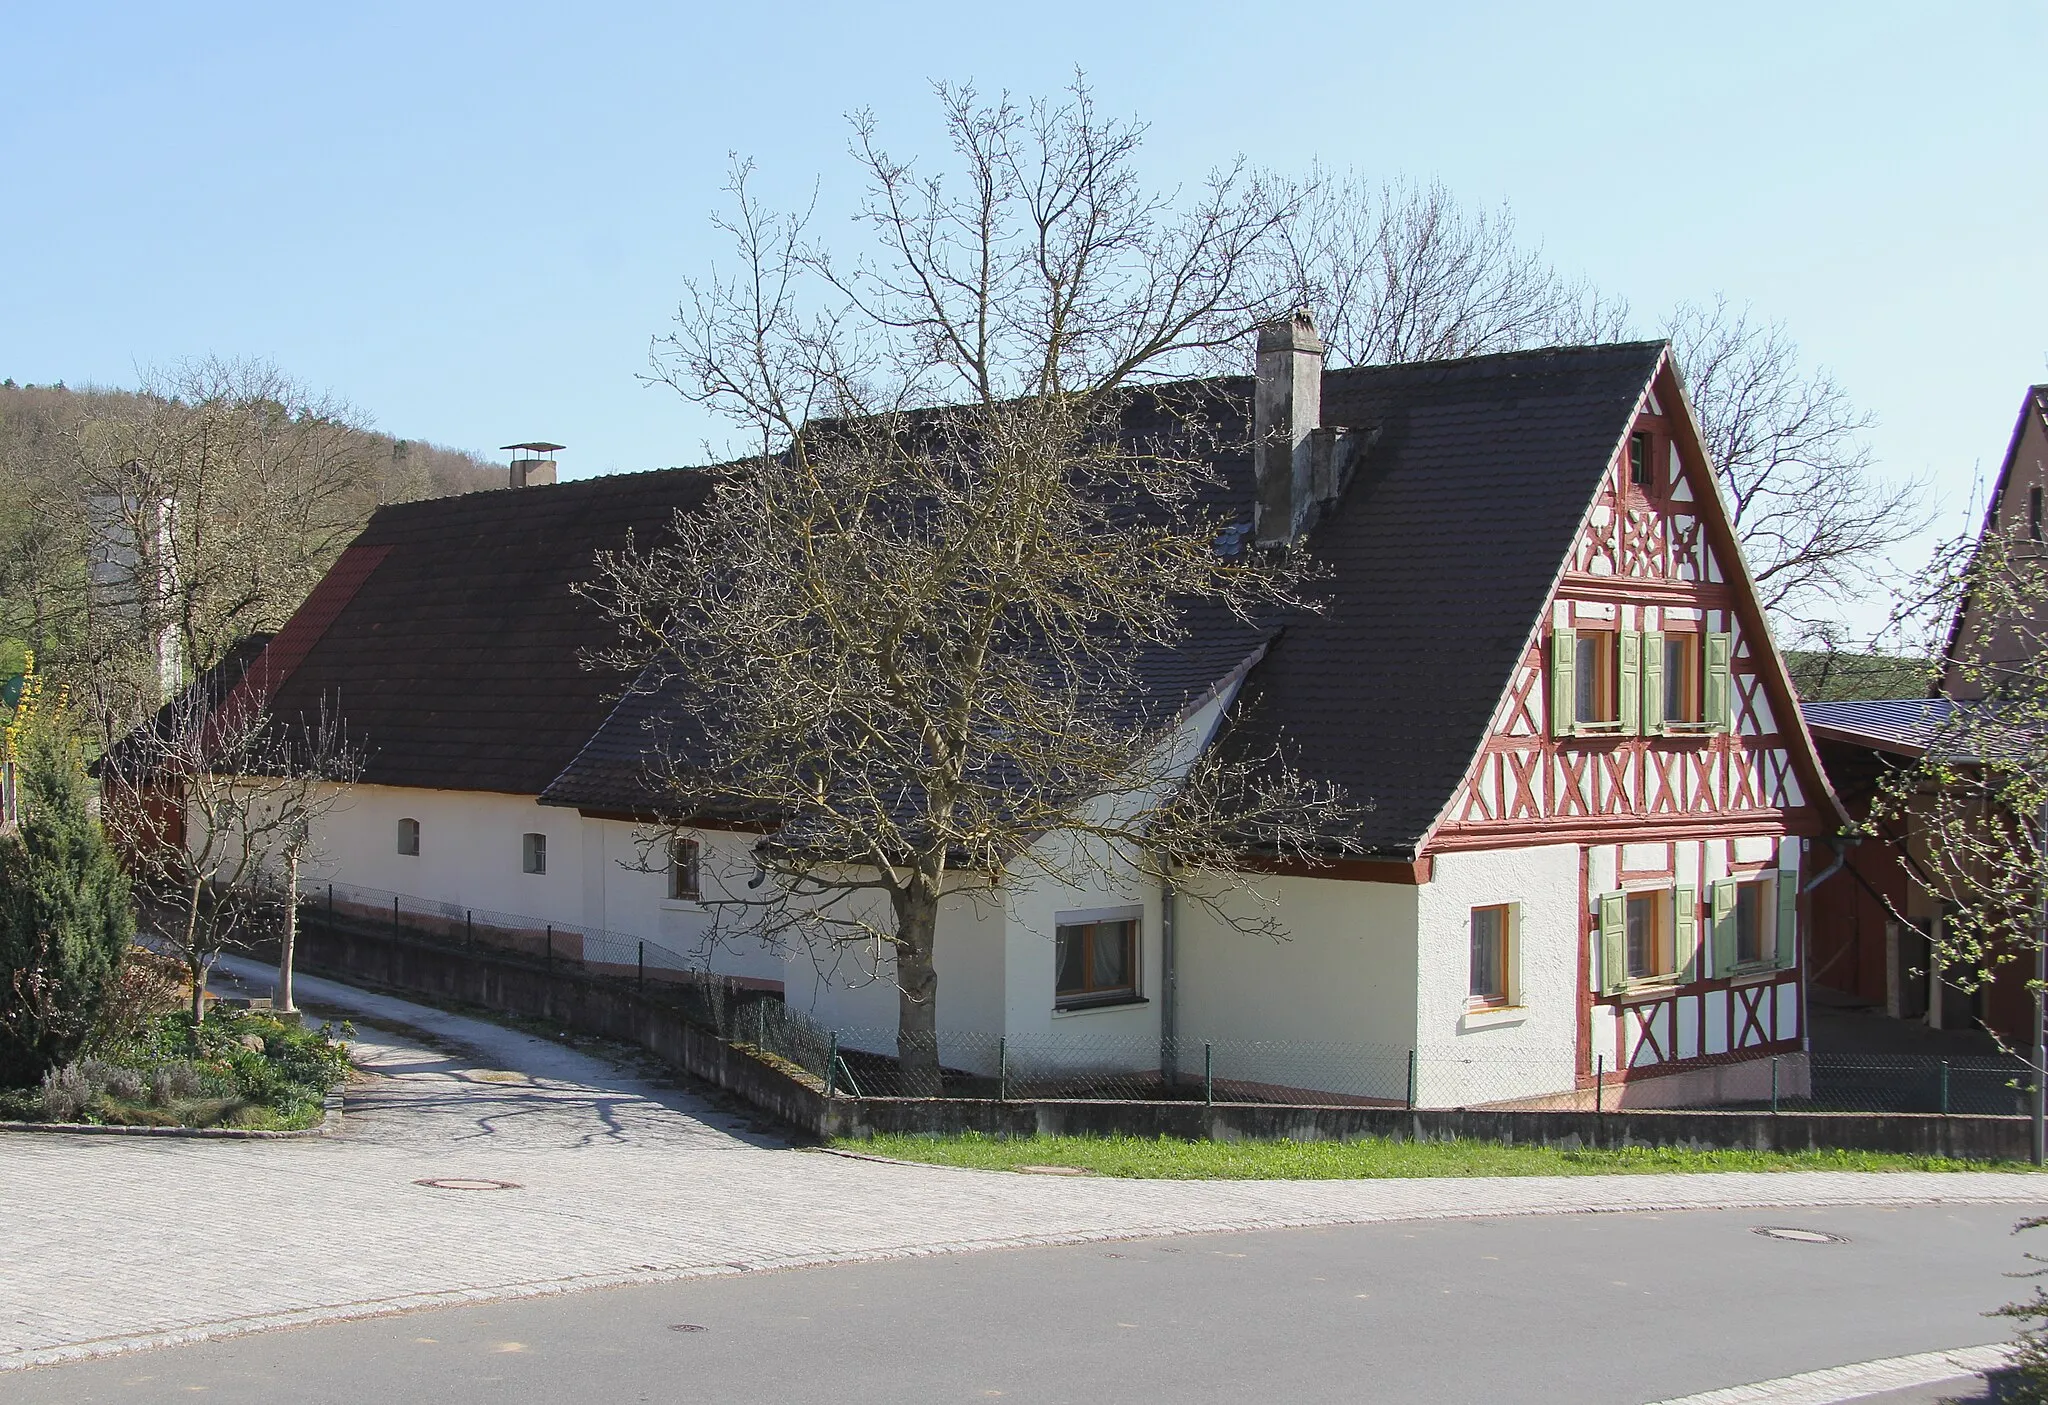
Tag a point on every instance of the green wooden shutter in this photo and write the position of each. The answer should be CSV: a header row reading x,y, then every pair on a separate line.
x,y
1724,928
1630,668
1653,684
1719,648
1788,917
1564,689
1686,931
1613,942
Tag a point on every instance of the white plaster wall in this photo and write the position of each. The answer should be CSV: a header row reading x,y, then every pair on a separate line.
x,y
1340,988
470,854
1470,1056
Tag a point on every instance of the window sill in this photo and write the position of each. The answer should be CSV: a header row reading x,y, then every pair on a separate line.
x,y
1492,1016
1090,1007
1647,988
1754,974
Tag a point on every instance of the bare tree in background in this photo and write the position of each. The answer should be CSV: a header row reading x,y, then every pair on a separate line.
x,y
1397,271
906,642
1818,526
218,801
1404,272
143,532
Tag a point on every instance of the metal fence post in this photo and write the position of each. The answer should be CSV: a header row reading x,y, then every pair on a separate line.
x,y
394,914
1208,1073
468,927
551,948
1600,1086
1003,1069
642,977
831,1062
330,905
1944,1087
1411,1080
1774,1085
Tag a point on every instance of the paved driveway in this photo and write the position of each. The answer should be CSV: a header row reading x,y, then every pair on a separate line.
x,y
113,1243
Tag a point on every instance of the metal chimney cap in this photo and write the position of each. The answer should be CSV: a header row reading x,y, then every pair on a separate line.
x,y
537,447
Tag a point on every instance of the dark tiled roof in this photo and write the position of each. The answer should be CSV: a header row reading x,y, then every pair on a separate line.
x,y
1441,556
456,661
131,756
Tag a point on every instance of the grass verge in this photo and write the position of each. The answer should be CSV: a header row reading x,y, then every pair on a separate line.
x,y
1368,1158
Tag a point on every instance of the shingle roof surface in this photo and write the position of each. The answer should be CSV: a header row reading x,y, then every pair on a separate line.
x,y
1906,724
456,662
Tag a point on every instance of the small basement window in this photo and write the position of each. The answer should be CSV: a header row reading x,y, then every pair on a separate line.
x,y
1640,464
682,868
409,837
1096,963
533,853
1492,956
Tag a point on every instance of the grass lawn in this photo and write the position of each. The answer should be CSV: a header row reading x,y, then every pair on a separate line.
x,y
1368,1158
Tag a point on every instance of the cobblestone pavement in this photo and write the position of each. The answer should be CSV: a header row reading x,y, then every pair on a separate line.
x,y
114,1243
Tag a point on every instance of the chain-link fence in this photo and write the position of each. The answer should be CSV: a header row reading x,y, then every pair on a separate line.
x,y
1197,1065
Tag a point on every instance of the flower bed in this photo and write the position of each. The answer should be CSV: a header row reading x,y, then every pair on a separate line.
x,y
242,1070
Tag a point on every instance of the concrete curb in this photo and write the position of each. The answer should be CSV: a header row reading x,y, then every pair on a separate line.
x,y
544,1288
329,1125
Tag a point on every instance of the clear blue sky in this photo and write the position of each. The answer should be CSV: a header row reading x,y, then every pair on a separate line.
x,y
469,220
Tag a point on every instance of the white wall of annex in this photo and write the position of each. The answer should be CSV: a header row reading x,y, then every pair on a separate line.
x,y
470,850
1470,1056
1340,987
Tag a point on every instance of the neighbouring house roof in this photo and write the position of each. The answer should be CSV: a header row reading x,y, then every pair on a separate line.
x,y
132,757
1901,725
451,645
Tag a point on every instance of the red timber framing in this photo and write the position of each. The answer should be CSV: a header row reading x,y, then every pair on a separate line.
x,y
1655,558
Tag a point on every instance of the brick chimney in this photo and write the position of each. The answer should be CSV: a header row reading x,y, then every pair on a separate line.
x,y
1287,409
533,465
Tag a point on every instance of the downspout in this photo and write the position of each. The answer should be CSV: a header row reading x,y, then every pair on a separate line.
x,y
1169,984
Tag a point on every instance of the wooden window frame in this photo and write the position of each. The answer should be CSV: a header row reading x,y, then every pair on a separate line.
x,y
1088,995
1602,687
685,859
409,837
1686,646
1642,460
1761,894
1658,902
533,853
1509,995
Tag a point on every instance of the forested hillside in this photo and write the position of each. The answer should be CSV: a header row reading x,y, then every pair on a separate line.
x,y
232,488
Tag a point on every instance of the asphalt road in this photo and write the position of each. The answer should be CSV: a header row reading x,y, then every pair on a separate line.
x,y
1592,1309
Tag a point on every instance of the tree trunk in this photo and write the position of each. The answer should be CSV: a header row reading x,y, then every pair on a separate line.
x,y
196,969
281,998
917,996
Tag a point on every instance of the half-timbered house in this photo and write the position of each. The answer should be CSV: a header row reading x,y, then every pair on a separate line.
x,y
1537,663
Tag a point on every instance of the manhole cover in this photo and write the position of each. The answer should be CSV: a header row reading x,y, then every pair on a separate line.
x,y
464,1183
1798,1236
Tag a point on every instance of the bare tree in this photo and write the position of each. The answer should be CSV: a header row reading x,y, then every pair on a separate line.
x,y
218,800
1818,525
907,643
1399,271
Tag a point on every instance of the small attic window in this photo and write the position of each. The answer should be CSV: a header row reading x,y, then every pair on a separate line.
x,y
1639,458
409,837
